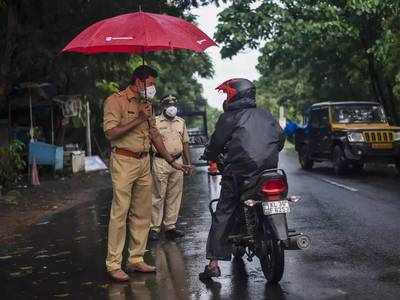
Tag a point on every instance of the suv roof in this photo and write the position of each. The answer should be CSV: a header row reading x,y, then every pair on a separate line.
x,y
331,103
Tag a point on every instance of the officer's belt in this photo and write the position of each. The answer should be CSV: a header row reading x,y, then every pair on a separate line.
x,y
175,157
129,153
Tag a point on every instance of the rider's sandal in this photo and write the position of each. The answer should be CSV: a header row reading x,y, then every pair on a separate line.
x,y
209,273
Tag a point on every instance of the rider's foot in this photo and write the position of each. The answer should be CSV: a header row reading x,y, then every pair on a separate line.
x,y
210,272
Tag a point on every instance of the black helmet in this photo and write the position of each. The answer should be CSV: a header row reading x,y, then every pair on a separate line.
x,y
168,100
237,88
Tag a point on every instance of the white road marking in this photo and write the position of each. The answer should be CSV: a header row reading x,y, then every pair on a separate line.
x,y
340,185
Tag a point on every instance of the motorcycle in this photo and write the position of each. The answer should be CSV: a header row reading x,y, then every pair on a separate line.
x,y
261,225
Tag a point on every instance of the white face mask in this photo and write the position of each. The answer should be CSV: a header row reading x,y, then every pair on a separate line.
x,y
171,111
149,93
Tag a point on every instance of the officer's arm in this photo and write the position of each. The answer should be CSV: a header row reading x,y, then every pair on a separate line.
x,y
158,142
185,143
186,155
121,130
222,133
160,147
112,119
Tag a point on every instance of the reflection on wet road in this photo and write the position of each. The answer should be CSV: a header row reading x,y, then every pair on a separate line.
x,y
351,257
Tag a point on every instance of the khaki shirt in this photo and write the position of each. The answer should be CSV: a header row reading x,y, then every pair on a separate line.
x,y
122,108
173,132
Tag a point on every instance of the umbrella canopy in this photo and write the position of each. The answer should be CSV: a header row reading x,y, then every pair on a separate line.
x,y
139,33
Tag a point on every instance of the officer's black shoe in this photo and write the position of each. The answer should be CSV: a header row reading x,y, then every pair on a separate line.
x,y
153,236
209,273
173,234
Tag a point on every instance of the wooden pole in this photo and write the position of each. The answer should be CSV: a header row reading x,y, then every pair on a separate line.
x,y
88,137
31,114
52,122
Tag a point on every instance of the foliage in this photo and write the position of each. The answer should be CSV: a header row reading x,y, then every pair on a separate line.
x,y
11,163
315,50
212,118
35,31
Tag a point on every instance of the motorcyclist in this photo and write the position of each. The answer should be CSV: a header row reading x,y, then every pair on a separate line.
x,y
250,139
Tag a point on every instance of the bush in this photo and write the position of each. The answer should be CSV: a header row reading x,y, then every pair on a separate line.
x,y
11,163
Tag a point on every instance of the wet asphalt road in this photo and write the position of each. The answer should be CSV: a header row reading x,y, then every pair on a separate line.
x,y
354,223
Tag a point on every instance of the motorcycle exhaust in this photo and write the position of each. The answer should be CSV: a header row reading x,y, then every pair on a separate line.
x,y
298,242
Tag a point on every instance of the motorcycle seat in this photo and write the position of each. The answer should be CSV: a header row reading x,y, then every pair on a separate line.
x,y
248,184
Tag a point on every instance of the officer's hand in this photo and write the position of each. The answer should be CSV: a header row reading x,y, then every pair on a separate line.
x,y
147,110
191,170
143,116
181,167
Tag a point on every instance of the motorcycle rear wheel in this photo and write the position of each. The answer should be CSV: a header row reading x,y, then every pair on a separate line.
x,y
238,251
272,261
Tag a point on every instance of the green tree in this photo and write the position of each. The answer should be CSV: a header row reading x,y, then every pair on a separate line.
x,y
212,118
315,50
34,31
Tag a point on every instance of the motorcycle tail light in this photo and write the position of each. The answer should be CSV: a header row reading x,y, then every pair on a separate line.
x,y
274,189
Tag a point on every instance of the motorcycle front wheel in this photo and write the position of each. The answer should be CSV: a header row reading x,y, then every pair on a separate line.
x,y
272,261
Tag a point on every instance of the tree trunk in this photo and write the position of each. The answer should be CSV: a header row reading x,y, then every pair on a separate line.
x,y
383,91
391,97
381,87
11,40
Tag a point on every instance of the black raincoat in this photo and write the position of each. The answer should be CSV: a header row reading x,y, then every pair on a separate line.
x,y
250,138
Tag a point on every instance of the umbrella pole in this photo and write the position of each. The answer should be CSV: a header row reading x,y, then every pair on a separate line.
x,y
142,55
143,63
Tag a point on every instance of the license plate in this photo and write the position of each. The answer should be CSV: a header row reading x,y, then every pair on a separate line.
x,y
382,146
276,207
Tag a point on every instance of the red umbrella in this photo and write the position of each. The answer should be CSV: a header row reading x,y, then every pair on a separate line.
x,y
139,33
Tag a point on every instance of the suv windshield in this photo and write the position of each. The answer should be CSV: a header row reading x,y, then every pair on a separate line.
x,y
365,113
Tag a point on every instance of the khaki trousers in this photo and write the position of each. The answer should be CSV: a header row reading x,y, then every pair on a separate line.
x,y
131,179
167,194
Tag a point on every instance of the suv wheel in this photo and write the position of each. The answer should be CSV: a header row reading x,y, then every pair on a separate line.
x,y
304,158
339,161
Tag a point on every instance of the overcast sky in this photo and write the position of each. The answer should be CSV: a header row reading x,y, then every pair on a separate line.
x,y
241,65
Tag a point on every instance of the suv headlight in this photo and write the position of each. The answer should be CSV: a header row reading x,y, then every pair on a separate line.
x,y
355,137
396,135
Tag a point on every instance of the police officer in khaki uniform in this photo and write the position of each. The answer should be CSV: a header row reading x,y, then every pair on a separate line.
x,y
130,126
168,182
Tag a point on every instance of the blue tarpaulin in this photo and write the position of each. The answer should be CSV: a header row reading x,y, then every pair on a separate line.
x,y
290,128
46,154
